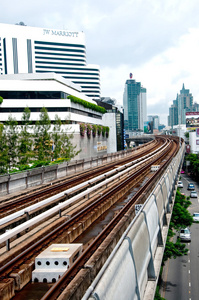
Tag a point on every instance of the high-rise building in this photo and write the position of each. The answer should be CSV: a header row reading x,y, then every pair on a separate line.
x,y
182,104
155,120
173,114
134,103
25,49
185,102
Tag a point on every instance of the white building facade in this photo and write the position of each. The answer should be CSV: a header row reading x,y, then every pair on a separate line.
x,y
25,49
50,90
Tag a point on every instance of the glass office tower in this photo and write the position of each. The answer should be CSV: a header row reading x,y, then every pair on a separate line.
x,y
134,103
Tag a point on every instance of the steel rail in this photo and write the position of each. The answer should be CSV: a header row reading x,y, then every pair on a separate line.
x,y
43,243
69,182
70,222
55,198
55,291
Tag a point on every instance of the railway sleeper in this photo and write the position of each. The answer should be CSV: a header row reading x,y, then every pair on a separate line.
x,y
78,286
7,289
22,277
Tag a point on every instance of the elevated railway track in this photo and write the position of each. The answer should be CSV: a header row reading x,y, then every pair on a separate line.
x,y
21,261
8,206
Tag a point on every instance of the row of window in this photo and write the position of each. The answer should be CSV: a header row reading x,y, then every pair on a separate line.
x,y
60,63
82,69
88,91
59,49
50,109
58,44
33,95
69,77
91,87
93,95
60,54
71,73
58,58
80,82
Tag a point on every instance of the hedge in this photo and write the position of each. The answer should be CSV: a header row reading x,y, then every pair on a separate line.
x,y
87,104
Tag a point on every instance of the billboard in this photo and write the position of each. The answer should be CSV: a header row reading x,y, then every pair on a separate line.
x,y
192,120
148,127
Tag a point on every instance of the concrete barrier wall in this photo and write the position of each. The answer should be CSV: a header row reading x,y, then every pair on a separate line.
x,y
44,175
123,275
133,269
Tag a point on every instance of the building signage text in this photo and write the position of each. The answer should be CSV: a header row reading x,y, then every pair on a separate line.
x,y
60,33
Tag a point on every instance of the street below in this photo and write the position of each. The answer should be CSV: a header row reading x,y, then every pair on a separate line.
x,y
181,275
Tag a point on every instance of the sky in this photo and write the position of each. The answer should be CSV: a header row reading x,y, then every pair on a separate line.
x,y
155,40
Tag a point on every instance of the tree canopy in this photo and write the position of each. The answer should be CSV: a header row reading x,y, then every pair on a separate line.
x,y
181,218
25,145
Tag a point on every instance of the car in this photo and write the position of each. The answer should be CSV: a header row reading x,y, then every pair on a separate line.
x,y
185,235
180,184
191,186
196,216
182,171
193,194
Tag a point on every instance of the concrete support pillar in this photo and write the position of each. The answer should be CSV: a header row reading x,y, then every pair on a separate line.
x,y
151,268
136,276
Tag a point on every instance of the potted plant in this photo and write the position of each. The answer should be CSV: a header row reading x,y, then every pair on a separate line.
x,y
82,129
89,130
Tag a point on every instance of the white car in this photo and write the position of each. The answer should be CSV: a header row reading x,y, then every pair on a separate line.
x,y
193,194
185,235
196,216
180,184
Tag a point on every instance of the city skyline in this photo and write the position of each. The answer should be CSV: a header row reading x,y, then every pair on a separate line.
x,y
157,42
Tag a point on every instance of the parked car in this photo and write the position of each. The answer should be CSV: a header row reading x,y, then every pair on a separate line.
x,y
196,216
191,186
180,184
193,194
185,235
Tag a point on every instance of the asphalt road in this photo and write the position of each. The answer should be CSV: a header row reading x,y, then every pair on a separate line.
x,y
181,275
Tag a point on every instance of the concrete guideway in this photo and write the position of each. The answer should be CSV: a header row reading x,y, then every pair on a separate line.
x,y
132,270
167,181
116,175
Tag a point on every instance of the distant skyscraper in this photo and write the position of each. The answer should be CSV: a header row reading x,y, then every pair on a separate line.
x,y
182,104
155,120
25,49
185,102
134,103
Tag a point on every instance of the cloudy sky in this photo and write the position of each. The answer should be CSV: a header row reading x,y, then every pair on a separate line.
x,y
156,40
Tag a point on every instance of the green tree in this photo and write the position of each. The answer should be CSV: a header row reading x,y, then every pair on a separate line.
x,y
25,152
68,151
172,250
42,136
194,165
181,217
3,151
57,140
11,137
157,295
186,134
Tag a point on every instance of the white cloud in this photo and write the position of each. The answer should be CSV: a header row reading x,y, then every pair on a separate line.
x,y
158,41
